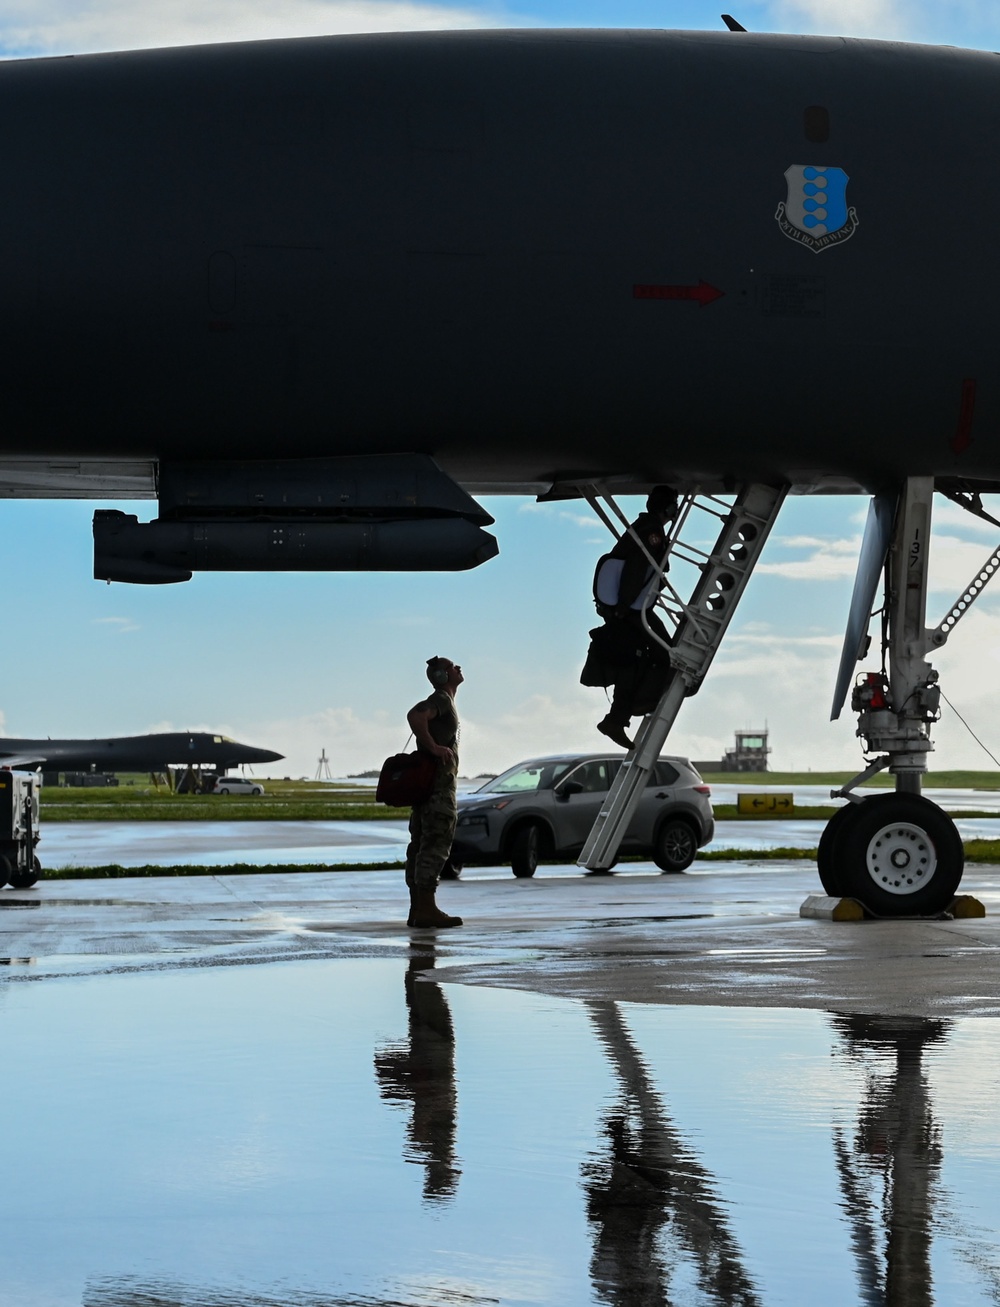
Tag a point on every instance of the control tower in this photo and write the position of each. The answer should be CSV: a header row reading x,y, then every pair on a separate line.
x,y
749,752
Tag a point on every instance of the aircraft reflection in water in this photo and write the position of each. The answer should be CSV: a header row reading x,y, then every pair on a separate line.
x,y
896,1159
664,1229
420,1074
649,1178
130,1291
889,1179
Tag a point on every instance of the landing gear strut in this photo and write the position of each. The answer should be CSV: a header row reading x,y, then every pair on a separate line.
x,y
898,854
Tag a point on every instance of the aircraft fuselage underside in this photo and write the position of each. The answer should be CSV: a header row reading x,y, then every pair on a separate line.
x,y
708,258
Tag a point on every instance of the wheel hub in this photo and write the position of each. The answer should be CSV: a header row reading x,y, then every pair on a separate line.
x,y
901,858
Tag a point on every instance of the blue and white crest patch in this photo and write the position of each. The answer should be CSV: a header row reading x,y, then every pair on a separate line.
x,y
815,213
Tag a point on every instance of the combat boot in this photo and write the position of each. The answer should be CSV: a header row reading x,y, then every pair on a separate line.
x,y
425,913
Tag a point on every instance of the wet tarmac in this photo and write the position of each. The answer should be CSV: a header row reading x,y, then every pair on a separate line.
x,y
220,843
265,1091
328,843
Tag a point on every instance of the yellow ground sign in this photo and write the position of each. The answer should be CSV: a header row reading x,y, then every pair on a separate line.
x,y
765,805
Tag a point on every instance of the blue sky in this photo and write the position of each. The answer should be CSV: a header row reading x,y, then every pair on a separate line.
x,y
309,662
29,27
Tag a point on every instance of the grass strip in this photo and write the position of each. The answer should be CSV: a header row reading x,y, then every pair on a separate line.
x,y
184,809
195,812
819,812
114,871
942,780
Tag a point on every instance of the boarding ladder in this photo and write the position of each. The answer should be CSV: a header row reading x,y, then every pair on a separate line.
x,y
696,628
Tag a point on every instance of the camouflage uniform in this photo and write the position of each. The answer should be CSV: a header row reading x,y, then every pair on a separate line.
x,y
432,823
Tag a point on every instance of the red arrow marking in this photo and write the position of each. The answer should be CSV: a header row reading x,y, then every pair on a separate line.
x,y
962,438
703,293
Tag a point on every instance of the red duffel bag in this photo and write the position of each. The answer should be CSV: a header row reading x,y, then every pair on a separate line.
x,y
406,779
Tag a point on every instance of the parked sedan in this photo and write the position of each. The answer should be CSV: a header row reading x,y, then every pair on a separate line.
x,y
545,808
237,785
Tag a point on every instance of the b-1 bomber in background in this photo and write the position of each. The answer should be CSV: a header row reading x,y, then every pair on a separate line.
x,y
21,761
133,753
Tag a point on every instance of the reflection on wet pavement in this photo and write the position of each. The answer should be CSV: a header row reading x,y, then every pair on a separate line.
x,y
420,1075
352,1133
888,1178
138,1293
650,1176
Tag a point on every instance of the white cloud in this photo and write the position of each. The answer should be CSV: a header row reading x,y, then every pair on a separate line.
x,y
829,560
355,741
586,520
849,546
954,563
352,742
961,544
74,26
949,514
761,676
119,624
887,19
776,640
787,683
203,728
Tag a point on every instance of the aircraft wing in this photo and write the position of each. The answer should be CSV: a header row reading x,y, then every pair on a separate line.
x,y
29,760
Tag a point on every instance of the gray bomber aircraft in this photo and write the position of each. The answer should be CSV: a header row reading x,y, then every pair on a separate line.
x,y
314,295
140,753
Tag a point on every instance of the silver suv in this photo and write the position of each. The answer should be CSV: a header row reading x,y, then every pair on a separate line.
x,y
545,808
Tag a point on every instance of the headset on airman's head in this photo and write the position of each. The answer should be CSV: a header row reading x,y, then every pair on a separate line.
x,y
662,501
437,670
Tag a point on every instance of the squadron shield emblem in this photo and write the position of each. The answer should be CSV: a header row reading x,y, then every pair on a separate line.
x,y
815,213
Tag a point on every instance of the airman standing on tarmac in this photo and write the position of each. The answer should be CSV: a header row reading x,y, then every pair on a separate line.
x,y
434,723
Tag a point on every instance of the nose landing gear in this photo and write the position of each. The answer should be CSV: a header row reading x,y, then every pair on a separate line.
x,y
899,854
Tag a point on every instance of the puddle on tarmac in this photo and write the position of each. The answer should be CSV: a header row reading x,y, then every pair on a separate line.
x,y
347,1132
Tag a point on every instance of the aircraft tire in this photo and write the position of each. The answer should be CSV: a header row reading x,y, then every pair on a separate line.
x,y
675,845
528,846
900,856
24,879
827,855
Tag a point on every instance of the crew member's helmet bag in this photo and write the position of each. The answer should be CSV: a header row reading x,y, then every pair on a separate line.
x,y
406,779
